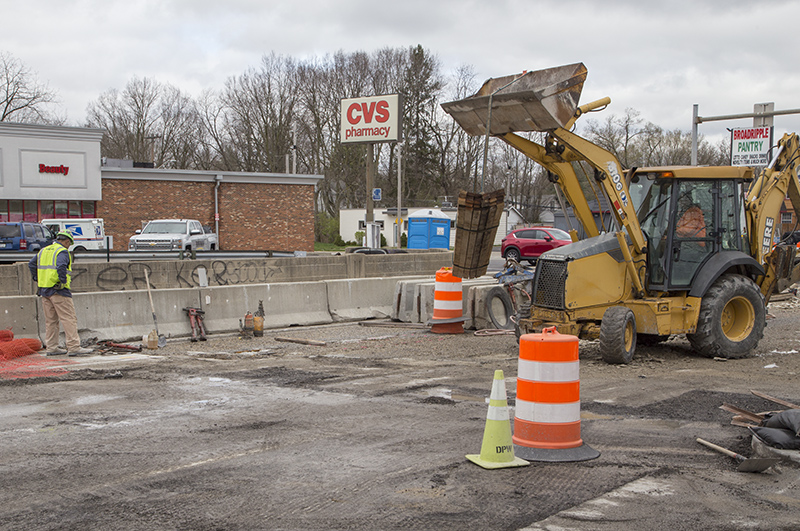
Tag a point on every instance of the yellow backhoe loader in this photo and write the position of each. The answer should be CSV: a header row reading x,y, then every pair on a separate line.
x,y
691,250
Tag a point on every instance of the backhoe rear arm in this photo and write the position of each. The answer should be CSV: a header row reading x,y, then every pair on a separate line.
x,y
763,207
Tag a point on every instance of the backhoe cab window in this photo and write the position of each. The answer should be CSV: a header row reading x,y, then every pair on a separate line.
x,y
653,213
639,187
695,229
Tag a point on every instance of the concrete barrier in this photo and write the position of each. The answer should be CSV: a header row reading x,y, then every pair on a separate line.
x,y
414,301
94,276
285,304
21,315
350,300
127,316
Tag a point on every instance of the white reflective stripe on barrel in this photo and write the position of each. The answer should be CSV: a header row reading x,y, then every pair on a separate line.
x,y
542,371
448,305
550,413
448,286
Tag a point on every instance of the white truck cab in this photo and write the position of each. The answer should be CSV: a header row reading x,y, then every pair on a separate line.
x,y
88,233
173,235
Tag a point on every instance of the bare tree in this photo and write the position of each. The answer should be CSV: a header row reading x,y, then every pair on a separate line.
x,y
147,122
638,143
22,97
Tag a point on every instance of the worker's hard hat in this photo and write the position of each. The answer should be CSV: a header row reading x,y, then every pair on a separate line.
x,y
65,235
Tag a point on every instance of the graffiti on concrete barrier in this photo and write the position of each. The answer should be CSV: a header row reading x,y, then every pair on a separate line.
x,y
116,277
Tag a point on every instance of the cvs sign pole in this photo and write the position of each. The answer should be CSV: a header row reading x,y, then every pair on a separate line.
x,y
370,120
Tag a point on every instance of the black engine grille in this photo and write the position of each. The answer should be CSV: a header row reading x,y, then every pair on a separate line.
x,y
551,280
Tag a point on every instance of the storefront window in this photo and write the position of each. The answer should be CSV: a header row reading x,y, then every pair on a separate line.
x,y
30,212
88,209
3,210
61,209
47,209
14,210
74,209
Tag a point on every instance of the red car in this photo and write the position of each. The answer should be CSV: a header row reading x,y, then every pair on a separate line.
x,y
529,243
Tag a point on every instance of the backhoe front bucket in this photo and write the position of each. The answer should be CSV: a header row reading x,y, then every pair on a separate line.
x,y
543,100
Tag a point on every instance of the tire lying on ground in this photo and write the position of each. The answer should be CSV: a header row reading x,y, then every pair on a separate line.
x,y
732,318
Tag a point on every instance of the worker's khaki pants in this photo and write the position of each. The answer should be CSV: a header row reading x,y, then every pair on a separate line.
x,y
58,308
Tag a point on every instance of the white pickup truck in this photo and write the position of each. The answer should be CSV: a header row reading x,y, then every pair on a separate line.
x,y
173,235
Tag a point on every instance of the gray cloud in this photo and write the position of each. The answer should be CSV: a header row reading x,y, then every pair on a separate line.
x,y
657,57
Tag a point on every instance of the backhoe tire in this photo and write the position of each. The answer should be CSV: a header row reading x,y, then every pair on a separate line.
x,y
618,335
731,320
500,309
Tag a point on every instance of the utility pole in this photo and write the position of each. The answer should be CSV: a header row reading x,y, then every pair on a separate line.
x,y
399,223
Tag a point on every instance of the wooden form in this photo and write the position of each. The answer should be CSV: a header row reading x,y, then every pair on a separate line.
x,y
476,226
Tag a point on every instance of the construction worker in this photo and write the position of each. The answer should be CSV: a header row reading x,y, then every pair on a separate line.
x,y
692,223
51,269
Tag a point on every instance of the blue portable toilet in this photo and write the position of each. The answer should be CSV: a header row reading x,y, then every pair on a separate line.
x,y
428,229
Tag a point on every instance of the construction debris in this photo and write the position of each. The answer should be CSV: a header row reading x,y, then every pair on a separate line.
x,y
108,347
771,429
393,324
301,341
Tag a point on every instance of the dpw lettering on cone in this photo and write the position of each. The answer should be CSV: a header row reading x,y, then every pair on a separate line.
x,y
448,307
497,450
547,424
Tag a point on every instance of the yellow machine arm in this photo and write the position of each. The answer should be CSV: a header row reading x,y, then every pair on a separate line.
x,y
762,211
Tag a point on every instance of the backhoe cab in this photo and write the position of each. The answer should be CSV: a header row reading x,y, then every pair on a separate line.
x,y
689,250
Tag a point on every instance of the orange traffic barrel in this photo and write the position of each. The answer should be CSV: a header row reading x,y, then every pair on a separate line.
x,y
448,306
547,422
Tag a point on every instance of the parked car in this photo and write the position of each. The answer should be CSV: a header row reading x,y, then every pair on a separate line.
x,y
529,243
24,236
89,233
172,235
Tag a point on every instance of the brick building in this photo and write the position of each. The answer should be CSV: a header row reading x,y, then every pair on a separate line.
x,y
248,211
56,172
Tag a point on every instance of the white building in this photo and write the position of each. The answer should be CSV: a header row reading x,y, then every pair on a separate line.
x,y
351,220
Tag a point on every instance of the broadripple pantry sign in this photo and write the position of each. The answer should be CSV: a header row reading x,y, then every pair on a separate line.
x,y
371,119
750,146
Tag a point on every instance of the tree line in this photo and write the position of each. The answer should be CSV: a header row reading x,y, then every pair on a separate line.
x,y
284,114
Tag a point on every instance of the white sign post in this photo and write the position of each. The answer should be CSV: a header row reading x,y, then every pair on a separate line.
x,y
750,146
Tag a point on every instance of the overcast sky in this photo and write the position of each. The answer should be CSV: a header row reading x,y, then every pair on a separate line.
x,y
658,57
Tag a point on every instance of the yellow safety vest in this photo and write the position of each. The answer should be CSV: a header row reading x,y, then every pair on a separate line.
x,y
46,269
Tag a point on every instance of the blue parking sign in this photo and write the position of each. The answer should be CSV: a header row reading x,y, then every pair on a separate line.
x,y
376,194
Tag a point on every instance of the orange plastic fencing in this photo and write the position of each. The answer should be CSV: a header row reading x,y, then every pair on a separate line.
x,y
6,335
16,348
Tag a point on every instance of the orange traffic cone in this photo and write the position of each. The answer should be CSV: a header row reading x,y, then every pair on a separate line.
x,y
497,449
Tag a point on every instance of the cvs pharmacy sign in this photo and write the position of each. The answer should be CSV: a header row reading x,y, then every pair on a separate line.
x,y
371,119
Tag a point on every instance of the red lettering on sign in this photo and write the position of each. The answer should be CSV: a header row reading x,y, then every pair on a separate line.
x,y
378,110
43,168
382,112
355,107
368,110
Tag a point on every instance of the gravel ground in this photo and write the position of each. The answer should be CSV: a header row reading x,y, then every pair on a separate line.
x,y
369,431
